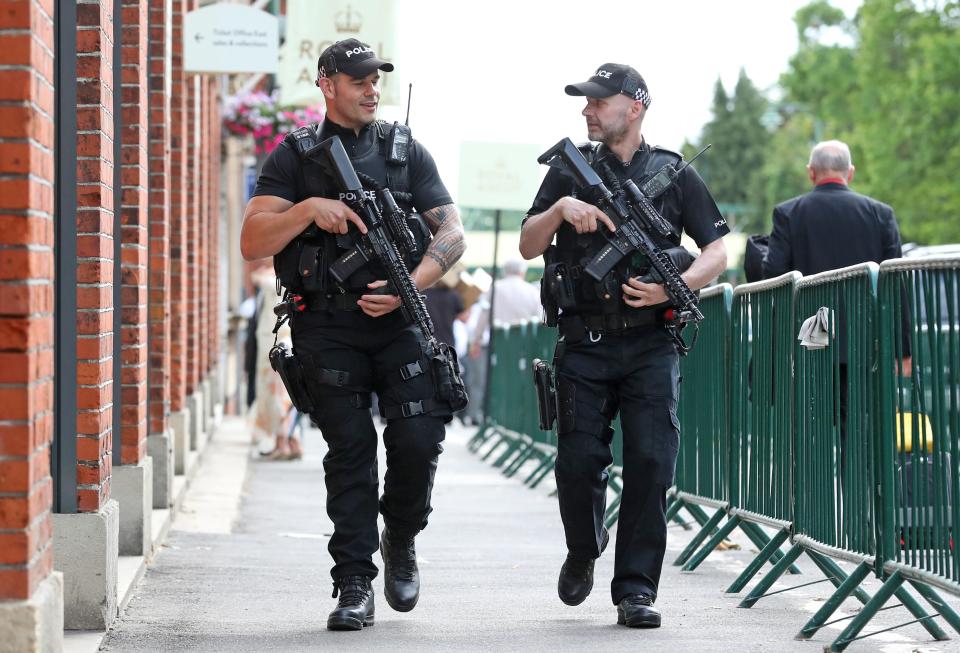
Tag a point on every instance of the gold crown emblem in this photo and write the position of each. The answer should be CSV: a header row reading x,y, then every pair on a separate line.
x,y
348,20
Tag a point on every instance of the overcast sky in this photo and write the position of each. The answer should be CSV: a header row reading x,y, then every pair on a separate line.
x,y
495,71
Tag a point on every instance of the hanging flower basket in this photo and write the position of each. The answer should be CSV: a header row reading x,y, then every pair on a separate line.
x,y
258,114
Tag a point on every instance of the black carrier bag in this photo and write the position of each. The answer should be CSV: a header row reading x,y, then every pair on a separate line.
x,y
753,255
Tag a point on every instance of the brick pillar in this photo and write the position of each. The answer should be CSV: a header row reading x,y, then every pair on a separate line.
x,y
195,249
216,301
195,259
180,417
160,439
133,480
134,208
95,206
31,597
203,255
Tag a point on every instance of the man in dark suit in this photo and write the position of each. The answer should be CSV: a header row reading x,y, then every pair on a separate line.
x,y
831,226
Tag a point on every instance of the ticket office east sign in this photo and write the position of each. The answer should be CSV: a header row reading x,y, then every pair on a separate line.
x,y
230,38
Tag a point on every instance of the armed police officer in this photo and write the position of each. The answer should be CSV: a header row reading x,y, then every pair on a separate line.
x,y
614,352
348,336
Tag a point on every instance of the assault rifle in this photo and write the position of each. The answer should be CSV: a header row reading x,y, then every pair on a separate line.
x,y
378,241
634,216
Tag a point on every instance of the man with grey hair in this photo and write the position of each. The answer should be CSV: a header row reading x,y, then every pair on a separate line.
x,y
828,228
831,226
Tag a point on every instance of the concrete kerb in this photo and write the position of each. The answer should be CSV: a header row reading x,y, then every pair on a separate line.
x,y
160,449
180,427
132,487
206,406
90,641
86,550
34,625
195,408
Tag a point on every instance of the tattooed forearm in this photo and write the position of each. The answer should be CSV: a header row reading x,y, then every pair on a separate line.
x,y
448,242
438,216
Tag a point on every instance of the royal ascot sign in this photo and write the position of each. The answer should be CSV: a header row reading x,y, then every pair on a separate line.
x,y
230,38
312,25
502,176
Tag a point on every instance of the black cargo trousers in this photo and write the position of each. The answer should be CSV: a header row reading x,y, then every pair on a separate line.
x,y
635,372
350,354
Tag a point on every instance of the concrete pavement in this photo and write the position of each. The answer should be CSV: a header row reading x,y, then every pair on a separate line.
x,y
488,561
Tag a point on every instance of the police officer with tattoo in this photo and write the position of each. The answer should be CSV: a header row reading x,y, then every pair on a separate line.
x,y
348,336
614,352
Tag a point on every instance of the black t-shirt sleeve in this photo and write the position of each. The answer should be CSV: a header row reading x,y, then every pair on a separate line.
x,y
702,219
425,183
279,174
553,187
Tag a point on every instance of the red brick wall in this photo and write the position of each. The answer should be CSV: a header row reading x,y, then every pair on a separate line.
x,y
178,215
213,190
134,217
193,218
26,309
203,194
159,216
95,247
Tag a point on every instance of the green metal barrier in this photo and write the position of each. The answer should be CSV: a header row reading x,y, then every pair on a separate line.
x,y
703,408
759,472
511,432
835,514
916,440
703,411
835,467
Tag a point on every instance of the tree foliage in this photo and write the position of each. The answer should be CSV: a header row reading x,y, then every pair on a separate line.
x,y
732,168
893,94
886,81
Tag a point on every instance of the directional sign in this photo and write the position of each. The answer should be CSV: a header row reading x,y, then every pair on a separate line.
x,y
230,38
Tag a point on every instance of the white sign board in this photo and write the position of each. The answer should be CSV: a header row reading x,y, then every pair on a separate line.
x,y
230,38
312,25
499,175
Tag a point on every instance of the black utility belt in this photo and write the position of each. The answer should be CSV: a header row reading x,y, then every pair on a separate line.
x,y
576,325
345,301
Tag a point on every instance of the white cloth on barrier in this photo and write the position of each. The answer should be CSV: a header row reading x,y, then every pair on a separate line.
x,y
816,331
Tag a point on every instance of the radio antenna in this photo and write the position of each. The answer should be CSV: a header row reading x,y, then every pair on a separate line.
x,y
406,121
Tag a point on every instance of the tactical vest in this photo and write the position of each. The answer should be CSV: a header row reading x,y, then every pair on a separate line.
x,y
302,265
584,295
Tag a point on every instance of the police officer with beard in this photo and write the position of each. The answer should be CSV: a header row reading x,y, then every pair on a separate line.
x,y
613,353
349,337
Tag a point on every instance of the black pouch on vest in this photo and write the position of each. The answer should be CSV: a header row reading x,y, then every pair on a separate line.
x,y
311,268
446,376
286,365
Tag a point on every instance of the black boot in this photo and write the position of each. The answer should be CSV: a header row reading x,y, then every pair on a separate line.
x,y
401,578
576,576
355,608
637,611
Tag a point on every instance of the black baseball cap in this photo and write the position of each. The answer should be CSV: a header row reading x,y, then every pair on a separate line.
x,y
610,79
352,57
